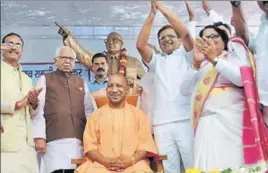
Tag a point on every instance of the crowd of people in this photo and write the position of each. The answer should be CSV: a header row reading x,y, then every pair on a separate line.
x,y
203,101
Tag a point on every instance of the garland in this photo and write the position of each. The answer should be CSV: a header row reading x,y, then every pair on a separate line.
x,y
123,62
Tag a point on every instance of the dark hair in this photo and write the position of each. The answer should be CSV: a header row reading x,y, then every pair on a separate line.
x,y
224,25
221,32
11,34
164,28
98,55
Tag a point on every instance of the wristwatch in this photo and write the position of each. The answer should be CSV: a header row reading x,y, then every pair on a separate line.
x,y
215,61
235,3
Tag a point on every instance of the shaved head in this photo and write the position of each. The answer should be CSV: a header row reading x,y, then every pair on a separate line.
x,y
121,77
117,90
115,35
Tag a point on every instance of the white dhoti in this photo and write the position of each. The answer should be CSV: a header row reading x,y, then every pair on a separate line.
x,y
24,159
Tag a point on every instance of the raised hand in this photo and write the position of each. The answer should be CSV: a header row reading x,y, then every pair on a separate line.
x,y
63,31
153,7
235,3
208,49
5,47
205,6
158,5
190,11
199,57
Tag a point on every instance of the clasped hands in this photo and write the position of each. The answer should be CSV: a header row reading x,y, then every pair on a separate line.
x,y
204,49
117,164
31,98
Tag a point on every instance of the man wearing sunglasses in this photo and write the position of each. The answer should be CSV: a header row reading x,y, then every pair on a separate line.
x,y
171,122
18,105
114,44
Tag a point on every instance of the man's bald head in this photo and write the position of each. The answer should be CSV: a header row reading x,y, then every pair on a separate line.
x,y
118,77
114,43
117,90
113,35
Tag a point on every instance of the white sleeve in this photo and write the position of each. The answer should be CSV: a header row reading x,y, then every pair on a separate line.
x,y
189,56
230,68
38,121
215,17
87,101
192,28
152,63
189,82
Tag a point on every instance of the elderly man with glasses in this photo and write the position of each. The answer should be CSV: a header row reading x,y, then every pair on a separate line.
x,y
117,58
59,124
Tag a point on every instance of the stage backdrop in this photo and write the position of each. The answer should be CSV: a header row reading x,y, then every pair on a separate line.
x,y
35,70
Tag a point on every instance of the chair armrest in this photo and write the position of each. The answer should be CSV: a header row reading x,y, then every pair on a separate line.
x,y
160,157
78,161
157,157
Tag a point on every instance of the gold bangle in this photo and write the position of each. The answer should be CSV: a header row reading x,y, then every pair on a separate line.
x,y
133,160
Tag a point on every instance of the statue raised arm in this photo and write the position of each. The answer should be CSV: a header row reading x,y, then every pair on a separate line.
x,y
83,56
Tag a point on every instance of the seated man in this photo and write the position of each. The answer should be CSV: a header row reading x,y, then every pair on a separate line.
x,y
117,136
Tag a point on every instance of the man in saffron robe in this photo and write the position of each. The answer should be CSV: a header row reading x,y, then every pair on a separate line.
x,y
117,136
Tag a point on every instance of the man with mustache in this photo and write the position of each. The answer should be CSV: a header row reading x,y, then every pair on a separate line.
x,y
100,67
259,46
171,122
18,103
114,46
60,121
117,136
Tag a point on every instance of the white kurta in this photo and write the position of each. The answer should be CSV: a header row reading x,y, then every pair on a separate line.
x,y
172,109
59,152
218,138
260,48
23,160
17,149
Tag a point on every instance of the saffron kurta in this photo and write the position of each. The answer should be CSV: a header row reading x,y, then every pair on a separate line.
x,y
117,133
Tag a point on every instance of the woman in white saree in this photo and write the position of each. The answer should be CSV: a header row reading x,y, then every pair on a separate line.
x,y
216,87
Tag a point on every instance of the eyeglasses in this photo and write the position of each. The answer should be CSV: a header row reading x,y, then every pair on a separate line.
x,y
169,36
113,41
212,36
65,58
12,44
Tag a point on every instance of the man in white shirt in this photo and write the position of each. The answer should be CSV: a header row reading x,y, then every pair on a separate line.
x,y
171,121
59,124
259,46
